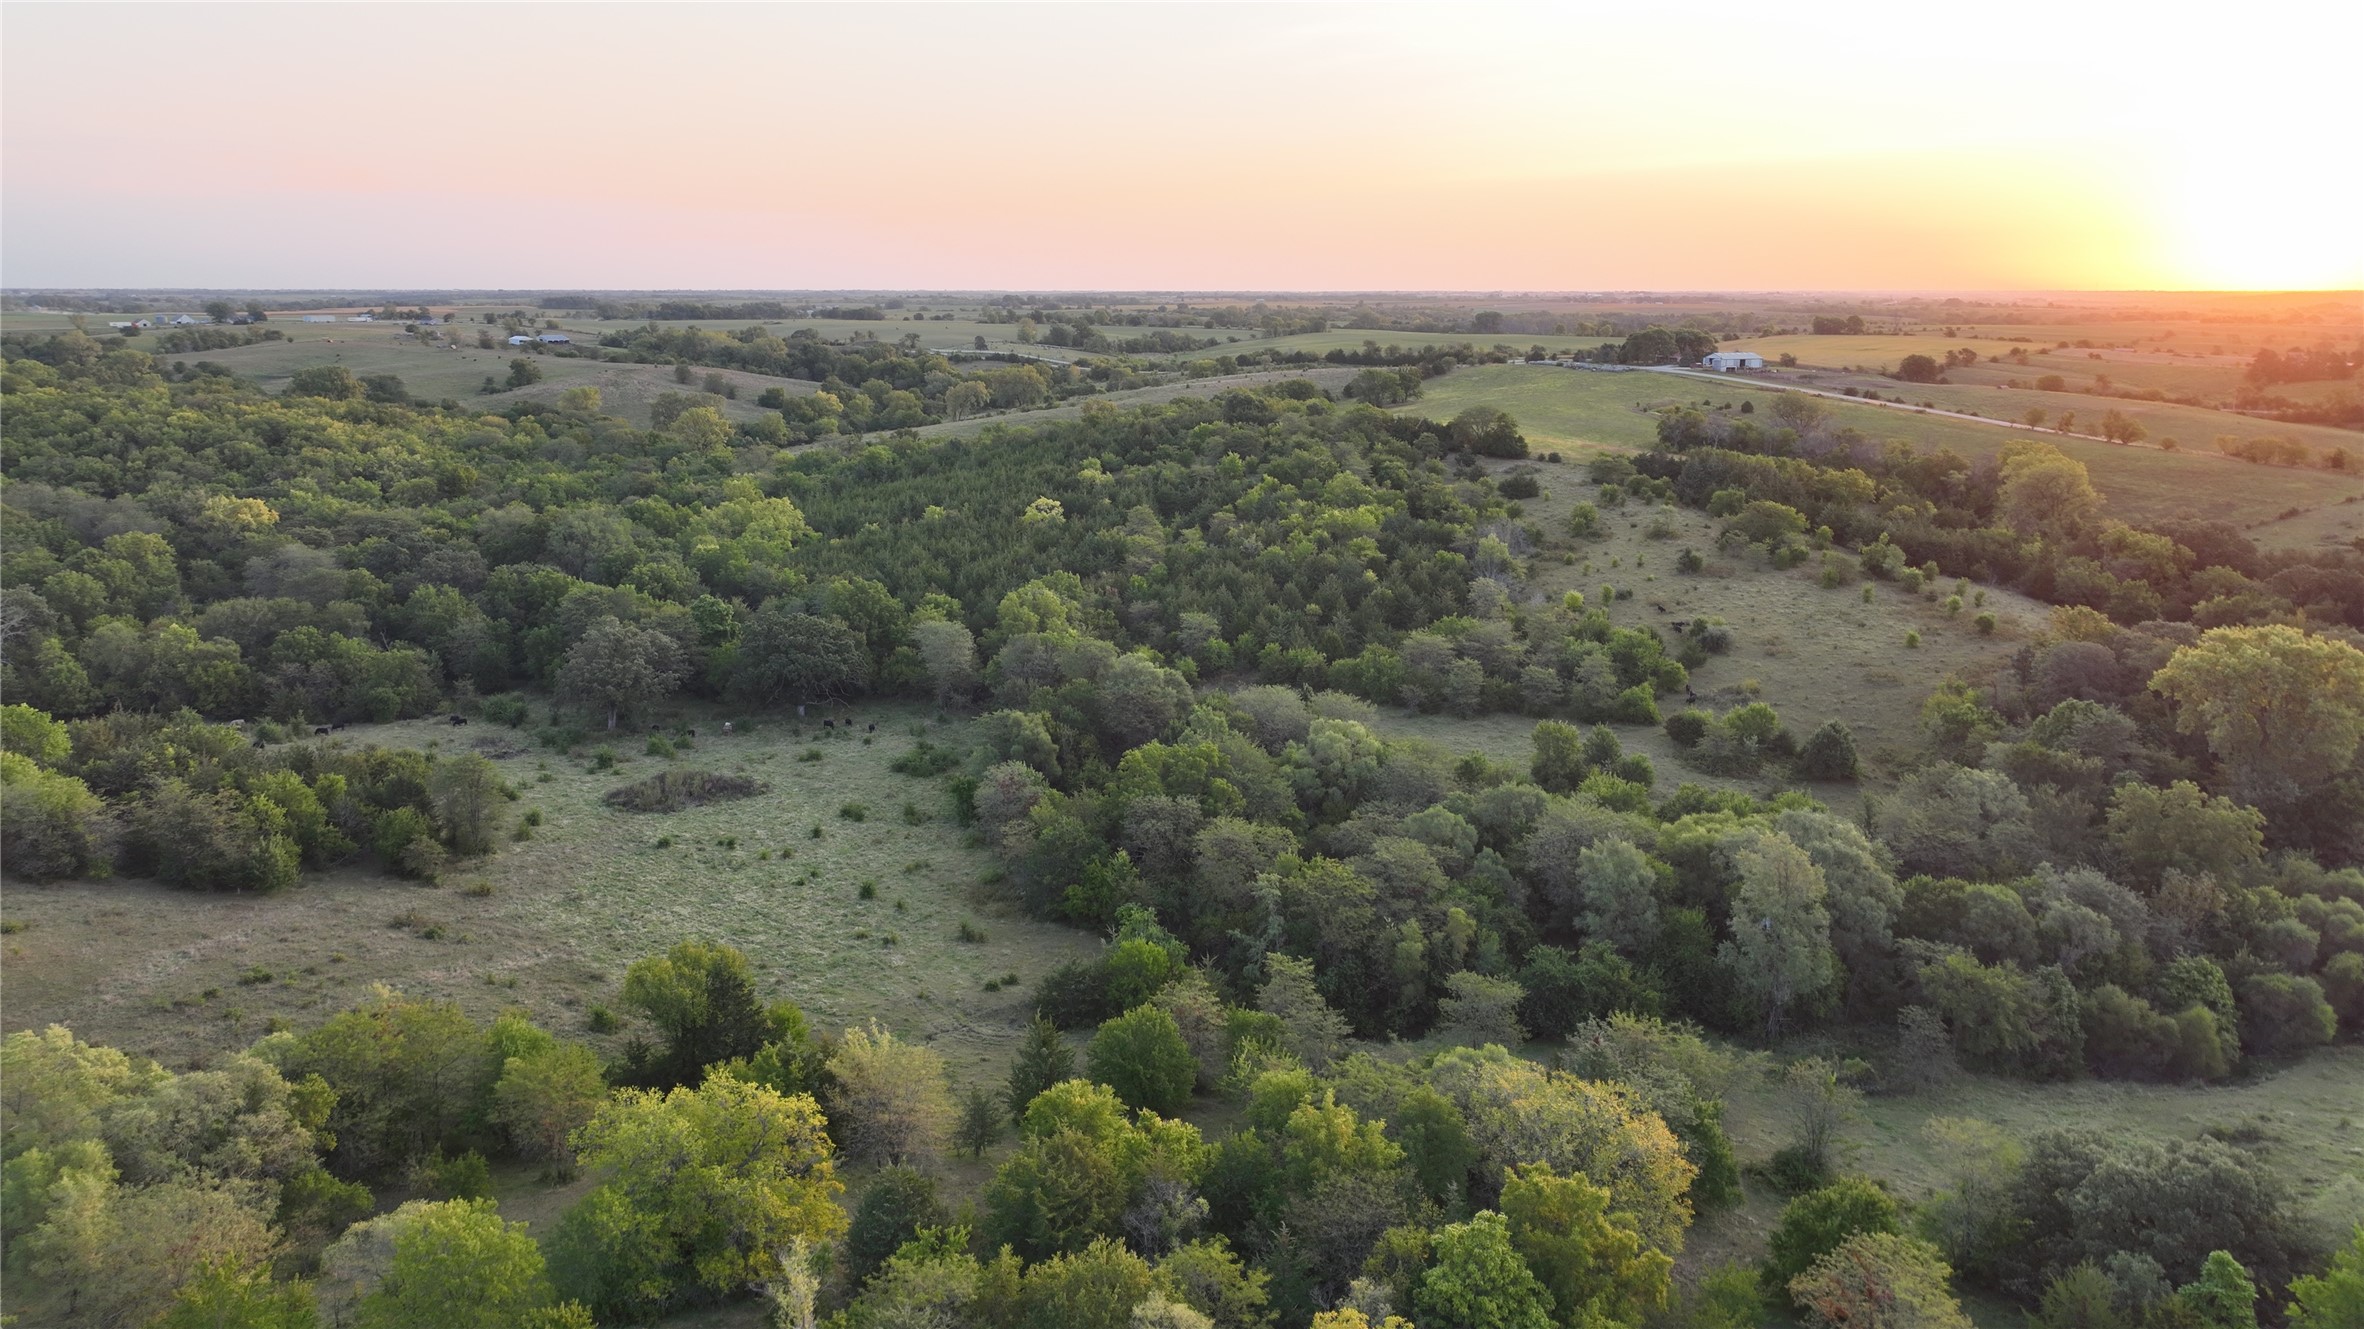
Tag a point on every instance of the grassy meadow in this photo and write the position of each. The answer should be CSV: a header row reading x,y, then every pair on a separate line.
x,y
549,924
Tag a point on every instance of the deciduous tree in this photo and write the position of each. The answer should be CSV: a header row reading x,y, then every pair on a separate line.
x,y
2282,709
618,667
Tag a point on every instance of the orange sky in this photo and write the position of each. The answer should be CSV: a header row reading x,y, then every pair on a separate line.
x,y
1456,147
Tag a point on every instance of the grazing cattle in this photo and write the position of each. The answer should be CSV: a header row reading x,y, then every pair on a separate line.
x,y
693,733
726,729
1682,625
320,731
829,724
1657,606
459,720
873,729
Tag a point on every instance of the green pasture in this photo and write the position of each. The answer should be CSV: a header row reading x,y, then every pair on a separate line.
x,y
1578,409
1567,410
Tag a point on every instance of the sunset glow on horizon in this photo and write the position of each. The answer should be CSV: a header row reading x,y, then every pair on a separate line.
x,y
1179,148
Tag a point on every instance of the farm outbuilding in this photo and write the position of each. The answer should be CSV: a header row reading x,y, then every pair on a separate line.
x,y
1725,362
320,318
521,340
555,339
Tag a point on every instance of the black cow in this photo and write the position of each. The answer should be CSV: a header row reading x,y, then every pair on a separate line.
x,y
320,731
458,720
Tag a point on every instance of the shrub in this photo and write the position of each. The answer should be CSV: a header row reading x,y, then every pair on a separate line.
x,y
1074,995
1986,624
1816,1223
1829,753
1140,1054
898,1202
854,811
2284,1013
1635,705
1689,561
1687,727
672,791
926,759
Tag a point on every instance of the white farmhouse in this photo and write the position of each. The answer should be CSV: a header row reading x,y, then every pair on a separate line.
x,y
320,318
521,340
1726,362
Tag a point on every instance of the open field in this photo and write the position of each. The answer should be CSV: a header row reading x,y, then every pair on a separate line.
x,y
459,371
958,334
1587,411
1565,410
2308,1115
2209,379
1840,352
133,964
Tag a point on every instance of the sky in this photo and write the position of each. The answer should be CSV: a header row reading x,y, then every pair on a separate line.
x,y
1332,147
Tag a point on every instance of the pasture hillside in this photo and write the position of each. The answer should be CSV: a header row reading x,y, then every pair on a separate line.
x,y
1813,654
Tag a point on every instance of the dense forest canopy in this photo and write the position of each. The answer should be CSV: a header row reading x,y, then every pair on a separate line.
x,y
2133,855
